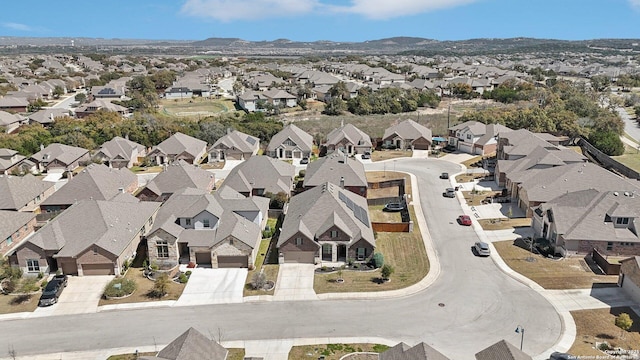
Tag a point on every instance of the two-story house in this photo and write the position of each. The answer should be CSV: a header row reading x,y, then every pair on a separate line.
x,y
476,138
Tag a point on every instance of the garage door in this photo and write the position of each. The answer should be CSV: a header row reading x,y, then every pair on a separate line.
x,y
69,268
97,269
305,257
203,258
233,262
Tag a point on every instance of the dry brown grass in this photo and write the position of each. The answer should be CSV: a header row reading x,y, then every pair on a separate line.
x,y
234,354
465,178
567,273
377,176
475,199
143,287
378,215
270,271
332,351
504,223
472,161
213,165
598,326
16,303
390,154
404,251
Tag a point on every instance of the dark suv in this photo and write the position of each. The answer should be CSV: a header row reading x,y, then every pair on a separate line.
x,y
52,291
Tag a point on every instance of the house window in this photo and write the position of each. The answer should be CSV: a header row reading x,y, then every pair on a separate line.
x,y
298,241
468,137
187,222
361,253
38,198
205,223
163,248
622,221
334,233
230,241
9,240
33,265
609,246
95,250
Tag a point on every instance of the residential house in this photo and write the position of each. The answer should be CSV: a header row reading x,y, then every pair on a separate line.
x,y
519,143
476,138
60,158
107,93
92,237
337,168
23,193
120,153
629,279
95,182
280,98
403,351
408,135
219,230
179,147
547,184
584,220
14,104
290,143
349,140
46,117
261,175
235,145
326,223
191,345
100,105
175,177
9,159
502,350
251,101
11,122
15,226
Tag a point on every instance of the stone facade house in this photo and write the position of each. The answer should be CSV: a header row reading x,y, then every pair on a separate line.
x,y
15,226
178,147
261,175
290,143
23,193
476,138
235,145
67,243
120,153
339,169
326,223
60,158
349,140
219,230
408,135
175,177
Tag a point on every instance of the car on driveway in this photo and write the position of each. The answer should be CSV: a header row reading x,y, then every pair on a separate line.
x,y
464,220
62,278
304,161
481,249
393,207
444,175
51,292
366,155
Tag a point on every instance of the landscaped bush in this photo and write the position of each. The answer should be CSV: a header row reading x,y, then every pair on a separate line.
x,y
378,260
183,279
160,287
28,285
258,280
120,287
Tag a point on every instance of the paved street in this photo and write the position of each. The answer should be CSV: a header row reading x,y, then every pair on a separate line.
x,y
470,306
631,126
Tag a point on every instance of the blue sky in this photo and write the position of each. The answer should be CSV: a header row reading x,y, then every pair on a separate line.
x,y
310,20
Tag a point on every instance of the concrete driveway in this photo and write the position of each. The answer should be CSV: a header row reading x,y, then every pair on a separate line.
x,y
295,282
81,296
213,286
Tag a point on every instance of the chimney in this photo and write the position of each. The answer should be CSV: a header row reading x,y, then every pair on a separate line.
x,y
41,147
341,182
121,190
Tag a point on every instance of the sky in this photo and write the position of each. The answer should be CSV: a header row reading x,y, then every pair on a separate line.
x,y
311,20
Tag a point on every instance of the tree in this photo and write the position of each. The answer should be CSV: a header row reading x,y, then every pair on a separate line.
x,y
378,260
81,97
600,83
624,322
339,89
160,286
608,142
386,271
57,91
258,280
335,106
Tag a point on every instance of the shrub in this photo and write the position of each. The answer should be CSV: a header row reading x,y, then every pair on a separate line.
x,y
386,271
43,284
258,280
28,285
120,287
183,279
40,275
188,273
160,287
302,173
604,346
378,260
9,285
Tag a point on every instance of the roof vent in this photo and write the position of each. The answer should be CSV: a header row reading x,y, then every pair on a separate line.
x,y
626,193
615,193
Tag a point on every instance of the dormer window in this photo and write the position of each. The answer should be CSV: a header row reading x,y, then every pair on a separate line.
x,y
622,221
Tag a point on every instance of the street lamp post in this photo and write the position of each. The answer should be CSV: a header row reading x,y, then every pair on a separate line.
x,y
520,330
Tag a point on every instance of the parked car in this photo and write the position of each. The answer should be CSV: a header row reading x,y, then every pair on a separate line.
x,y
62,278
304,160
481,248
393,207
51,293
464,220
449,192
562,356
444,175
366,155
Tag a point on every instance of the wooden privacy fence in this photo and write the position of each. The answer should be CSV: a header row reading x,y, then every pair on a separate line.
x,y
605,265
391,227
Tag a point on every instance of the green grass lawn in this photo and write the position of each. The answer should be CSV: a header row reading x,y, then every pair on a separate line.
x,y
630,158
333,351
271,271
143,286
197,106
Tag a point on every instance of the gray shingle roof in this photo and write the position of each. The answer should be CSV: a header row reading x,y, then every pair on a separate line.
x,y
18,191
47,116
178,143
303,140
96,181
11,221
178,176
192,345
502,350
64,153
333,168
238,140
262,172
408,129
111,225
354,136
316,210
421,351
120,148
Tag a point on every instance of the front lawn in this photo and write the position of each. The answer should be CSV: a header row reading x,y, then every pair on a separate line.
x,y
18,303
598,325
270,271
146,170
476,197
143,287
334,351
234,354
404,251
504,223
377,214
567,273
380,155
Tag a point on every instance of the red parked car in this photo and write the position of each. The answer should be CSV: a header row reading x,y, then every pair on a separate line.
x,y
464,220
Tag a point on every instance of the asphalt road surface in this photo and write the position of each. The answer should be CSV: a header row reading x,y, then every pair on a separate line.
x,y
470,306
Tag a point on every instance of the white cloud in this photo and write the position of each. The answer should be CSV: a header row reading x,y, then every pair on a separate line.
x,y
635,3
17,26
228,10
385,9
